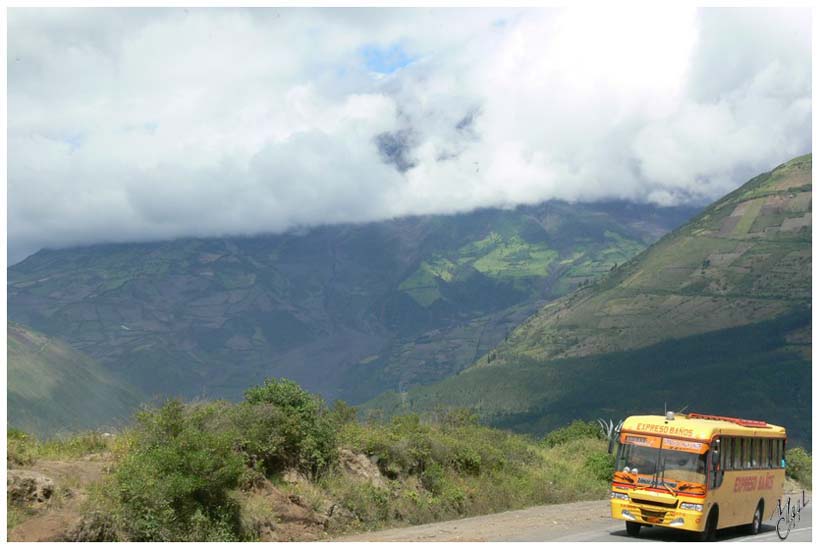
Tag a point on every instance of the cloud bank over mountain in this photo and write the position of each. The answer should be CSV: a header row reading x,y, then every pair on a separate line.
x,y
136,124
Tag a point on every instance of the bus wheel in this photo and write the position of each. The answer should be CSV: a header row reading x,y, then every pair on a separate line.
x,y
709,533
754,527
633,529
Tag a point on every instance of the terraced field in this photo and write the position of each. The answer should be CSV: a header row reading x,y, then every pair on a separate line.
x,y
745,259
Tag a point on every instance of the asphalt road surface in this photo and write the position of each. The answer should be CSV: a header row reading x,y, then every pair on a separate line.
x,y
801,532
578,521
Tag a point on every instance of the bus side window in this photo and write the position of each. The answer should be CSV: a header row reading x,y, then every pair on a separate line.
x,y
757,444
726,453
753,453
747,452
767,452
736,453
744,452
775,462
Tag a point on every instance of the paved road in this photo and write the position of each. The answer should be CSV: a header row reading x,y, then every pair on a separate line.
x,y
617,533
578,521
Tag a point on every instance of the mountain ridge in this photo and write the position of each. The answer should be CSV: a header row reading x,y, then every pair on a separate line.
x,y
725,298
720,259
348,311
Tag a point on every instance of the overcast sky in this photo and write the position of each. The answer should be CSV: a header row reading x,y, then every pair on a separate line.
x,y
161,123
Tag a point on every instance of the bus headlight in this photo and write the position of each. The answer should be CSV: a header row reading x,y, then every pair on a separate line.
x,y
691,506
621,496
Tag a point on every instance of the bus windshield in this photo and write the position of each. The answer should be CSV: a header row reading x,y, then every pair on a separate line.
x,y
652,466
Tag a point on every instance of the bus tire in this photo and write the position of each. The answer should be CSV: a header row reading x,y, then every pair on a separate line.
x,y
757,520
633,529
709,533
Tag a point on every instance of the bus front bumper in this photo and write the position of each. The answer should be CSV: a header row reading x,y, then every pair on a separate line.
x,y
661,516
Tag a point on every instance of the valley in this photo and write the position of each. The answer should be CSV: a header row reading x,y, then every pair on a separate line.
x,y
348,311
715,316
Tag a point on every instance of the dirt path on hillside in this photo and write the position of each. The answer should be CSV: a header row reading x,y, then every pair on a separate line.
x,y
560,519
63,511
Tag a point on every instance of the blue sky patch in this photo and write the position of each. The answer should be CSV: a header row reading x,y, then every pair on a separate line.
x,y
385,59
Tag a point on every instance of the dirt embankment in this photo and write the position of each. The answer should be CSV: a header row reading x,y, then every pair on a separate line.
x,y
48,498
49,495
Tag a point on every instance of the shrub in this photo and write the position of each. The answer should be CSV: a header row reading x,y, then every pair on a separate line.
x,y
458,417
798,466
174,483
600,466
467,460
433,479
370,505
578,429
283,426
342,413
20,448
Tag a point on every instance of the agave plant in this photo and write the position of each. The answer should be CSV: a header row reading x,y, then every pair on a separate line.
x,y
610,431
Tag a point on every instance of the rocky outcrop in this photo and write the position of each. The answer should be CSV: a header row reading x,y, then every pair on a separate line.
x,y
294,476
28,488
93,527
359,466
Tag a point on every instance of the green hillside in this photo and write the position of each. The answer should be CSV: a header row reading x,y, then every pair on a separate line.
x,y
762,370
715,316
54,389
746,258
348,311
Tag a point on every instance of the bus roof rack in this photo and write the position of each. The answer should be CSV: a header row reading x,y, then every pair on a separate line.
x,y
739,421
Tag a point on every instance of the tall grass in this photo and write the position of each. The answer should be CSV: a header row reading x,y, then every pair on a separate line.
x,y
23,449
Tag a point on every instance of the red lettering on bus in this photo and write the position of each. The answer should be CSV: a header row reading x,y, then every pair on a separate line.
x,y
745,483
765,482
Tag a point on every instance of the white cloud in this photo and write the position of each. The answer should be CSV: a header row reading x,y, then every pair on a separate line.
x,y
150,124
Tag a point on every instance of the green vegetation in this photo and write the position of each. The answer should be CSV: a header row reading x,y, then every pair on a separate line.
x,y
755,371
283,426
53,388
193,472
174,483
511,259
422,285
455,467
798,466
712,317
578,429
744,259
424,295
23,449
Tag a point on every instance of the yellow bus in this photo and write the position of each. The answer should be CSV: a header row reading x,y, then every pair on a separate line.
x,y
697,472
